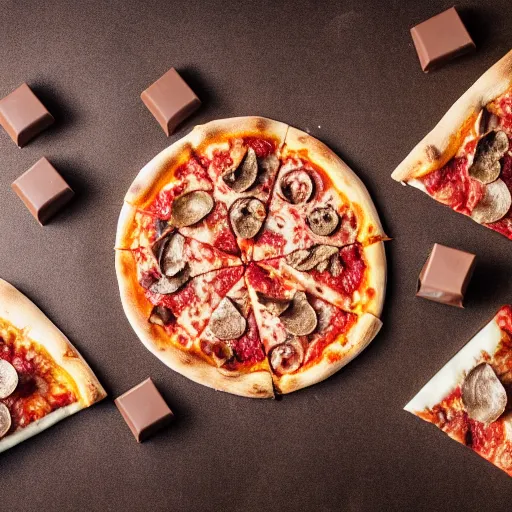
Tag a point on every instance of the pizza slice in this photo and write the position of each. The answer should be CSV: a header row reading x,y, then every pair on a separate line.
x,y
241,156
305,338
470,398
352,277
43,379
317,200
465,162
163,250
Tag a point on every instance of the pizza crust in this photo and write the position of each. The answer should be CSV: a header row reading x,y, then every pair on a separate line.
x,y
455,370
334,357
343,178
257,384
23,314
38,426
442,143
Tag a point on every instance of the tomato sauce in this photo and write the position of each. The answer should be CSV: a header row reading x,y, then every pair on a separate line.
x,y
261,280
262,147
248,348
504,225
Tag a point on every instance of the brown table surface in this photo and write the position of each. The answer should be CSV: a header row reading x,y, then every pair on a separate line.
x,y
347,72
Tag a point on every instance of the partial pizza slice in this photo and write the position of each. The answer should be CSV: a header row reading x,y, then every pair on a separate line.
x,y
43,378
169,324
470,398
317,199
163,250
465,162
352,277
306,339
242,158
231,340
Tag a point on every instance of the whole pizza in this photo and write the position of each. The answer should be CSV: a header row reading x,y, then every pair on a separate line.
x,y
250,258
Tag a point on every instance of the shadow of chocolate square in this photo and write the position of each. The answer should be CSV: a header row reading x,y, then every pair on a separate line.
x,y
170,100
446,275
23,116
43,190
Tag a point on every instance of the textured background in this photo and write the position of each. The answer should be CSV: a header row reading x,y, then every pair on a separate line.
x,y
347,72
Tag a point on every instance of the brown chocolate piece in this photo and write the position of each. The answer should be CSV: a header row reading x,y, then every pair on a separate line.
x,y
446,275
43,190
441,39
23,116
170,100
144,410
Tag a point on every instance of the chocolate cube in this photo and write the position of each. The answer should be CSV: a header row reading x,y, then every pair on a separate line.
x,y
441,39
43,190
23,116
446,275
144,410
170,100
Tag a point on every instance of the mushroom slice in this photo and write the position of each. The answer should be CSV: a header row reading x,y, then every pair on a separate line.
x,y
190,208
322,266
300,318
298,257
247,216
171,254
483,395
287,357
8,378
226,322
323,221
5,420
486,167
166,285
160,315
162,227
297,186
335,265
244,176
221,352
317,255
494,205
486,121
274,306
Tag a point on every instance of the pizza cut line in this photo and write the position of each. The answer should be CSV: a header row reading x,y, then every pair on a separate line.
x,y
465,162
235,236
43,379
470,398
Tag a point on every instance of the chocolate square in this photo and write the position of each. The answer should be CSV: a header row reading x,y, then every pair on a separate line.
x,y
23,116
144,410
441,39
446,275
43,190
170,100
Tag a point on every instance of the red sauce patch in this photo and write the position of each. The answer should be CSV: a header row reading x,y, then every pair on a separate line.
x,y
452,185
352,274
248,349
504,105
33,398
262,147
261,280
271,239
504,225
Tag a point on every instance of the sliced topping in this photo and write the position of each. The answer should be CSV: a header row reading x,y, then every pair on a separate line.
x,y
490,149
247,216
297,186
335,266
190,208
244,176
300,318
494,205
221,352
5,420
166,285
8,379
323,221
171,254
226,322
486,121
287,357
161,227
274,306
483,395
160,315
304,260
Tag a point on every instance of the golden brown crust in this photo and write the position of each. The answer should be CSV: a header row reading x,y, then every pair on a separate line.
x,y
257,384
334,357
23,314
441,144
343,178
